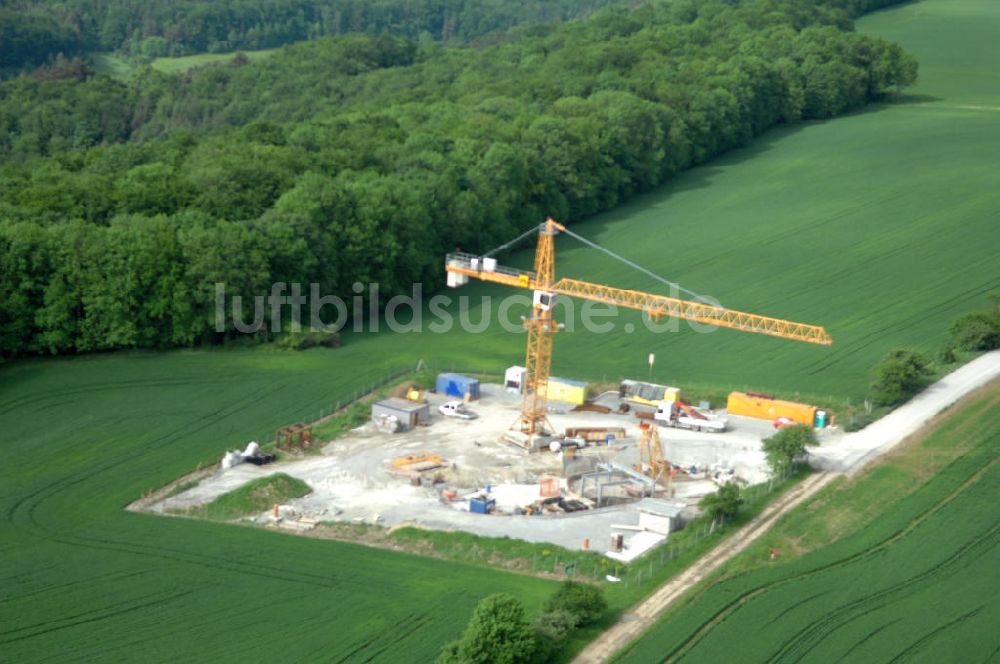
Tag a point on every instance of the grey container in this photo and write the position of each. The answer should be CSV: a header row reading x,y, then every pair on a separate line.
x,y
408,413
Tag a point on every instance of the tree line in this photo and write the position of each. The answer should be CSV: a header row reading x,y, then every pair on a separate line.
x,y
904,373
361,158
33,30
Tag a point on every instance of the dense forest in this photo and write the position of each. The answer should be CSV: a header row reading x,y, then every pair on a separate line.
x,y
366,158
33,30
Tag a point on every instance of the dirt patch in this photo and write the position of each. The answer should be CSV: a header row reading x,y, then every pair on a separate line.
x,y
178,486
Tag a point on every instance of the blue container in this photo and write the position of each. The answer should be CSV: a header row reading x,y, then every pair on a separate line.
x,y
482,505
457,385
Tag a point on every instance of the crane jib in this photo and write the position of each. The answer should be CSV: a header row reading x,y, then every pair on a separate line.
x,y
654,305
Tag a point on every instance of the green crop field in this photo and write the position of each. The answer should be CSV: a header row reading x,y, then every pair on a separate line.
x,y
84,579
915,578
881,226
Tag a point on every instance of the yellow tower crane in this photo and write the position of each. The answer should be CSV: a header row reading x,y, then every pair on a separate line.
x,y
541,327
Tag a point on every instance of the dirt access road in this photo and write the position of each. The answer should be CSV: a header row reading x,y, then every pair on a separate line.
x,y
851,454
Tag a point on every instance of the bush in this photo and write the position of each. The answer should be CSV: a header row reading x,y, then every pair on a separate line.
x,y
553,628
583,601
947,355
789,444
573,605
724,502
497,632
977,330
898,376
859,422
309,339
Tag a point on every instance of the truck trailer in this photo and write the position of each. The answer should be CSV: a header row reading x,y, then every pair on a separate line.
x,y
681,415
647,394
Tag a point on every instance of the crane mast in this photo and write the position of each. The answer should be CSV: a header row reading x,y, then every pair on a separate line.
x,y
541,327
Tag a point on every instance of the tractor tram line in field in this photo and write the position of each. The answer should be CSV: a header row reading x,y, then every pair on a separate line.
x,y
32,501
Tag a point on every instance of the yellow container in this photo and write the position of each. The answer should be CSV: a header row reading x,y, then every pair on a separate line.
x,y
570,391
765,408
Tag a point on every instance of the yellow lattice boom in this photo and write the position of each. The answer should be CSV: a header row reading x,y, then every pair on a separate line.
x,y
655,305
661,305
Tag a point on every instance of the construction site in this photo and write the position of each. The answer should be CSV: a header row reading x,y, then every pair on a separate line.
x,y
609,486
536,457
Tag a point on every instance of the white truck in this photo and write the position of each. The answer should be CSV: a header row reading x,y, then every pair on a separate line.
x,y
457,410
679,414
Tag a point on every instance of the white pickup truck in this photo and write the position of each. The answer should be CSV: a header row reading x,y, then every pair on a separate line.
x,y
457,410
679,414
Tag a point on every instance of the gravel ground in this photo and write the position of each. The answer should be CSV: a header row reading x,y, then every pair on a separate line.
x,y
351,479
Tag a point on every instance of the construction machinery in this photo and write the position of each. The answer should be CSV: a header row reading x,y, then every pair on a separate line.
x,y
651,460
542,328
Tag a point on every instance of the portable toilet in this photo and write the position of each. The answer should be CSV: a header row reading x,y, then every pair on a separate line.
x,y
457,385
